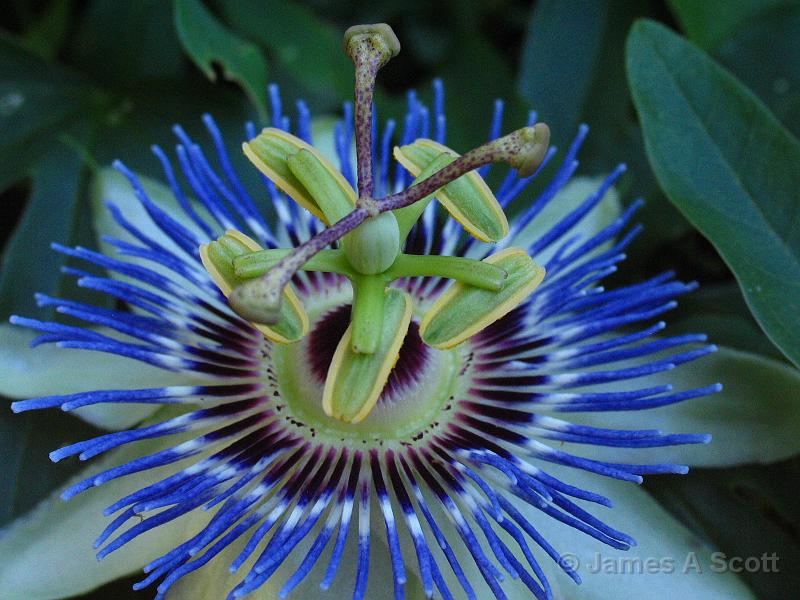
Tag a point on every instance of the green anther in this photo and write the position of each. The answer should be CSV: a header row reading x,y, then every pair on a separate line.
x,y
255,264
321,185
374,245
472,272
463,310
222,258
290,322
270,152
258,300
468,199
369,293
233,246
355,381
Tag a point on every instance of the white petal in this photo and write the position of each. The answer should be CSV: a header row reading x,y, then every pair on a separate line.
x,y
755,419
27,372
668,562
48,553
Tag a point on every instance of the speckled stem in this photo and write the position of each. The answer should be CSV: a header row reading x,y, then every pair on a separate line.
x,y
523,149
367,66
370,47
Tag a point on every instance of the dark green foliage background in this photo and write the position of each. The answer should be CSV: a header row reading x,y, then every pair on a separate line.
x,y
84,82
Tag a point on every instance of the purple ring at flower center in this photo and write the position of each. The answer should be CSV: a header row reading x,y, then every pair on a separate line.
x,y
330,328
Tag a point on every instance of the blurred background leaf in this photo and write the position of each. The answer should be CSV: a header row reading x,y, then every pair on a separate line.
x,y
710,23
118,44
30,266
745,512
209,43
37,100
758,40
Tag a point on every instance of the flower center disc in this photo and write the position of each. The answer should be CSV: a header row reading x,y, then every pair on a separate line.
x,y
420,388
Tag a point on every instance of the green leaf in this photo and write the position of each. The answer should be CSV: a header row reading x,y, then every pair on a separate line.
x,y
36,101
596,93
746,511
755,418
721,312
122,43
554,26
46,36
303,45
760,55
28,475
51,214
481,86
143,115
709,23
208,42
728,165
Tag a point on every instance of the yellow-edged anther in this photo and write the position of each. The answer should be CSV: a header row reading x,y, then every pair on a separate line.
x,y
464,310
468,199
355,381
218,257
270,150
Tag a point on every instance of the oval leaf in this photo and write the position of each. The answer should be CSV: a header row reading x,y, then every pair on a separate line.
x,y
464,310
468,199
218,259
355,381
270,150
728,165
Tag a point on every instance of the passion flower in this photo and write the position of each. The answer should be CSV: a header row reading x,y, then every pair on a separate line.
x,y
370,373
